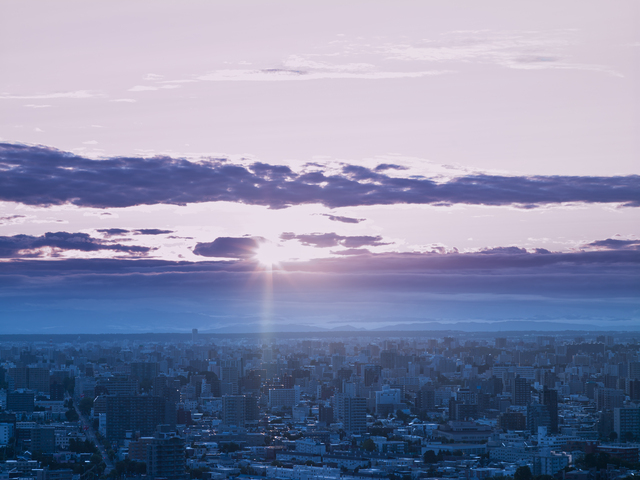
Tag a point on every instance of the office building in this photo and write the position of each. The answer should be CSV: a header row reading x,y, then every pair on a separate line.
x,y
166,456
549,398
141,414
626,422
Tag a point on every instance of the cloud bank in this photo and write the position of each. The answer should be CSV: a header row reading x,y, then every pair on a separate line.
x,y
154,295
29,246
44,176
337,218
324,240
229,247
141,231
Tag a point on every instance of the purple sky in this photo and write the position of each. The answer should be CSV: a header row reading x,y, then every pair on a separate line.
x,y
265,164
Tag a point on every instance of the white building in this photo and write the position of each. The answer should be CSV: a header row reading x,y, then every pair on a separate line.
x,y
307,445
6,432
549,463
284,397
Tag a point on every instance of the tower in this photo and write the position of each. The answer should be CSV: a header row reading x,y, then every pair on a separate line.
x,y
549,398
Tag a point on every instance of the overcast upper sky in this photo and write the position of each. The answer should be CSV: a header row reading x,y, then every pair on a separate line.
x,y
241,166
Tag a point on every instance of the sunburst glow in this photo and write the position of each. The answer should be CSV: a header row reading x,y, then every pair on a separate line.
x,y
270,254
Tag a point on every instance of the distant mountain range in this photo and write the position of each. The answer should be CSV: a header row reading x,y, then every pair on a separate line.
x,y
501,326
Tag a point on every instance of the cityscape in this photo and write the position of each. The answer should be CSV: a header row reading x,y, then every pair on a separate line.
x,y
319,240
460,406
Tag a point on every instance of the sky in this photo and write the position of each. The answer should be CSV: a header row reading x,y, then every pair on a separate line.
x,y
297,166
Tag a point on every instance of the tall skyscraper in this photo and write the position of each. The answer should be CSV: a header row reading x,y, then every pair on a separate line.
x,y
521,391
549,398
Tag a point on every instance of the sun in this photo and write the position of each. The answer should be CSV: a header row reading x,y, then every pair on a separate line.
x,y
270,254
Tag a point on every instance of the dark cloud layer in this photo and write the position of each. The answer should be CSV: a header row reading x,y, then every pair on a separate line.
x,y
142,231
102,295
609,273
113,231
151,231
325,240
616,244
336,218
45,176
107,295
229,247
30,246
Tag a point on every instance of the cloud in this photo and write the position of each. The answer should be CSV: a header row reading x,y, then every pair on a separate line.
x,y
337,218
503,250
9,219
325,240
615,244
141,231
389,166
145,88
75,94
158,295
352,251
113,231
29,246
289,74
509,49
36,175
151,231
229,247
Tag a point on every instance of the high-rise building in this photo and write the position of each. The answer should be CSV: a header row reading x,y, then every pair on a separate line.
x,y
140,413
32,378
460,411
337,348
634,370
521,391
233,412
239,410
19,376
626,422
43,439
353,414
284,397
605,424
388,359
608,398
549,463
426,399
20,401
633,390
144,370
166,456
118,385
512,421
372,374
325,415
537,416
549,398
6,432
